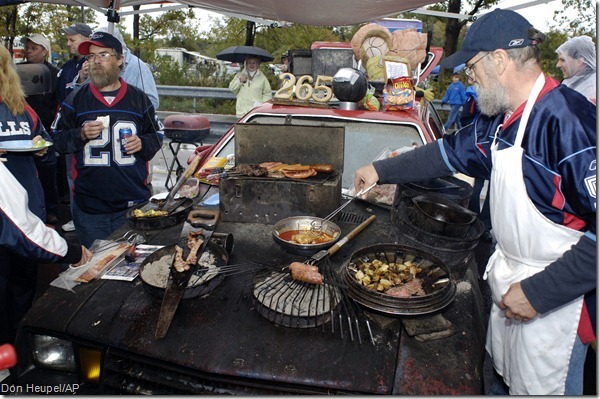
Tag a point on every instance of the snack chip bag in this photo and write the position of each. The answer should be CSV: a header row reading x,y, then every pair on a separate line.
x,y
370,102
398,94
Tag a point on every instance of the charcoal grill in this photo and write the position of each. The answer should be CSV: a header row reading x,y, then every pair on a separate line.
x,y
297,304
183,129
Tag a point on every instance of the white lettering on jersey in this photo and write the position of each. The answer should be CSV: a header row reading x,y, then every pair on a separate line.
x,y
590,184
593,165
9,128
93,155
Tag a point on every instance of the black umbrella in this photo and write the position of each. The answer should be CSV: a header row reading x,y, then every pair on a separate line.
x,y
239,53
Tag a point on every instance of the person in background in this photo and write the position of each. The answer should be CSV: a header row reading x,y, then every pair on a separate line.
x,y
285,62
69,75
37,51
18,274
250,86
68,78
577,61
455,96
110,172
135,71
535,140
470,108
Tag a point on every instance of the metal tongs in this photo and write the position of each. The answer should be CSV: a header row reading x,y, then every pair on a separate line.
x,y
338,210
130,237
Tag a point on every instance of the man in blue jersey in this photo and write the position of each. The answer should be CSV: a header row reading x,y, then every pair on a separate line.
x,y
108,179
535,140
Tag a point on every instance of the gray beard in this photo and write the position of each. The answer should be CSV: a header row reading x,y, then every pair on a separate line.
x,y
492,100
103,77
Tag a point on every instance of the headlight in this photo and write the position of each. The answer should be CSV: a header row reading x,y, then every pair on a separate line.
x,y
53,353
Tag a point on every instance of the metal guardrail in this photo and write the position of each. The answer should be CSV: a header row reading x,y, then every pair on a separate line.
x,y
226,94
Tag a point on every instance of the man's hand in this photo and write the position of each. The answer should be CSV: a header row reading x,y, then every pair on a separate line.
x,y
91,130
133,144
86,256
365,177
84,72
516,304
43,151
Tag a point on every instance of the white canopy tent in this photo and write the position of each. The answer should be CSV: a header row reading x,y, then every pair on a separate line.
x,y
308,12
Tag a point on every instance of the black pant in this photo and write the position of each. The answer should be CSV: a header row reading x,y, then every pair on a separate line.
x,y
48,177
18,280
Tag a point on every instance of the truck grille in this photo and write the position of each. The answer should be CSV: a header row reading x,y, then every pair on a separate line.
x,y
125,373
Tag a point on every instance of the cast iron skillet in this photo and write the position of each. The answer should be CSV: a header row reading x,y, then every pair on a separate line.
x,y
156,289
159,222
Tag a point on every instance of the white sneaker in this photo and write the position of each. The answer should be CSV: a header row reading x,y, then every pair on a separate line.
x,y
69,226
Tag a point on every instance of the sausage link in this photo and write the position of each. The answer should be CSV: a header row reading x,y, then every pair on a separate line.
x,y
303,267
307,276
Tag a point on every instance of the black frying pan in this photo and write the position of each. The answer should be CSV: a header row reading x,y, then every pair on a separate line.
x,y
155,279
159,222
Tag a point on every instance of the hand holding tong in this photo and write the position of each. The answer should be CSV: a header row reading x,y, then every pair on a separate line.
x,y
338,210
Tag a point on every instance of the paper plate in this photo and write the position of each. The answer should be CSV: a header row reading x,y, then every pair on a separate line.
x,y
22,146
162,196
212,200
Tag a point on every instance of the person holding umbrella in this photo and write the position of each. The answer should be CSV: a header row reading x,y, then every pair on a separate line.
x,y
250,85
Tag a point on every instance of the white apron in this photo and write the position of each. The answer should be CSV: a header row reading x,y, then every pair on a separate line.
x,y
533,356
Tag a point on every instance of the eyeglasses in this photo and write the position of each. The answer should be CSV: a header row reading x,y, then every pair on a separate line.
x,y
469,69
103,57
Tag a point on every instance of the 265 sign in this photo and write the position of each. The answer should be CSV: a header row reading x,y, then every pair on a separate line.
x,y
303,88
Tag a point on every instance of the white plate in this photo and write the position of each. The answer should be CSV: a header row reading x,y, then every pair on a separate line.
x,y
212,200
162,196
21,146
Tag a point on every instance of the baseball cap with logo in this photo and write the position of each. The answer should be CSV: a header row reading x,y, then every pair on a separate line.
x,y
38,39
100,39
78,28
499,29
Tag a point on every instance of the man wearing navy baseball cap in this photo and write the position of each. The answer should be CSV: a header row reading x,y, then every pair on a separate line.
x,y
101,39
113,132
535,141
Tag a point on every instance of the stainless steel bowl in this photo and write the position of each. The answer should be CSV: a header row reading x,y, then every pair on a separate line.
x,y
303,223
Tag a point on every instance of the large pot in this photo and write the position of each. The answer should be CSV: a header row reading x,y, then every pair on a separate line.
x,y
452,188
304,223
154,272
159,222
438,215
438,284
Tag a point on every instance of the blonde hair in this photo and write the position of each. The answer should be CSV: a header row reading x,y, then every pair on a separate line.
x,y
11,91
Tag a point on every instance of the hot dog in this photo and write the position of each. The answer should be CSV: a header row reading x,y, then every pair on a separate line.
x,y
300,174
322,167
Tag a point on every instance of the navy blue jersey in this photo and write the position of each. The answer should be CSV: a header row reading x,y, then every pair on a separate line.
x,y
66,76
105,179
559,164
22,164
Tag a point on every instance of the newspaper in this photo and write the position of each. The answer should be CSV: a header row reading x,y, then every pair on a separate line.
x,y
128,271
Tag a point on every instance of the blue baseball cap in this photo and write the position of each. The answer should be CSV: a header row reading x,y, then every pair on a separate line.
x,y
499,29
100,39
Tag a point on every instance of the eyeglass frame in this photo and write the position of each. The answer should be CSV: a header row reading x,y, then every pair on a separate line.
x,y
100,56
469,69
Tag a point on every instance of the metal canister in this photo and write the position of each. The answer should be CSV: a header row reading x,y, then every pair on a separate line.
x,y
124,133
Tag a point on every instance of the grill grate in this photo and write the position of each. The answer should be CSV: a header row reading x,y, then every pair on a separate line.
x,y
352,218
